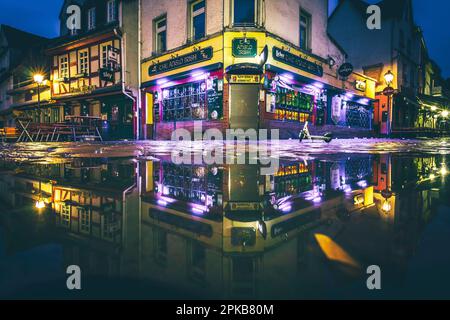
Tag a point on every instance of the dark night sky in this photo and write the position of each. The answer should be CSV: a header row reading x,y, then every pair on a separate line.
x,y
41,17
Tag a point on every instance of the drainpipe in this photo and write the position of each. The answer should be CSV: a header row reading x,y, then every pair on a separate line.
x,y
123,72
139,53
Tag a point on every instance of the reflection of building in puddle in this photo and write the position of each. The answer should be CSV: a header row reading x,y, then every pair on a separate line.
x,y
228,231
221,230
87,201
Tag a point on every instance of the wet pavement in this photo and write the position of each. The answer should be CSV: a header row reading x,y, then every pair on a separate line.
x,y
141,226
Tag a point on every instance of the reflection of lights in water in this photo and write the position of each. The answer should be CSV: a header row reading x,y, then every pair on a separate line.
x,y
197,211
335,252
386,207
359,199
362,184
443,170
347,189
317,200
40,204
162,202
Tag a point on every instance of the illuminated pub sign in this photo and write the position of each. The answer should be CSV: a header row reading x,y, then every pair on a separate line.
x,y
297,62
181,61
244,48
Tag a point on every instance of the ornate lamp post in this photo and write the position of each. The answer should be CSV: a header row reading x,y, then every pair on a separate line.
x,y
389,91
39,80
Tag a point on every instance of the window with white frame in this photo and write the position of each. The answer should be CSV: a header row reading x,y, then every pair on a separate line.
x,y
160,32
244,12
65,215
83,62
197,20
104,56
91,18
305,30
111,11
63,66
85,220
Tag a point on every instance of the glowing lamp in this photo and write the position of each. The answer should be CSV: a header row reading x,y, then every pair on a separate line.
x,y
386,207
40,204
389,77
38,78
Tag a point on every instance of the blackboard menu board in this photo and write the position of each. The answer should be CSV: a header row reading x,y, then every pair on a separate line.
x,y
215,99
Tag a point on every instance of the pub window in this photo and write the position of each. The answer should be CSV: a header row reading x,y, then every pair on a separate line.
x,y
111,11
83,62
91,19
244,12
197,20
160,31
305,30
185,102
63,66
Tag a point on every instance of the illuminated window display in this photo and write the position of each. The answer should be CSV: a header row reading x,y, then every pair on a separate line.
x,y
185,102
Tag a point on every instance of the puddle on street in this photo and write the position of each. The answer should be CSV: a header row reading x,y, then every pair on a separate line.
x,y
141,226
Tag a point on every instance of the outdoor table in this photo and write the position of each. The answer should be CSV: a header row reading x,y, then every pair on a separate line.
x,y
88,123
24,123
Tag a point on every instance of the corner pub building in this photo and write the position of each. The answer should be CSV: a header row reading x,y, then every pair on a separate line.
x,y
201,65
90,73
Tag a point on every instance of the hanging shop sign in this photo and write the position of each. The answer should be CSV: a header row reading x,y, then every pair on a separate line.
x,y
245,78
244,47
113,54
106,75
181,61
388,91
297,62
361,85
345,70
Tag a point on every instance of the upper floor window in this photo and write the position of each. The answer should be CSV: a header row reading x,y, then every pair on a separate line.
x,y
160,32
305,30
104,56
83,62
244,12
91,19
197,20
111,11
63,66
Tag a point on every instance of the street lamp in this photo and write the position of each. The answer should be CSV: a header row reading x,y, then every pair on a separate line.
x,y
445,114
389,77
39,80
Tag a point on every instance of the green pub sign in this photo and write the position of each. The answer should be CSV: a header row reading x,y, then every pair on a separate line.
x,y
244,48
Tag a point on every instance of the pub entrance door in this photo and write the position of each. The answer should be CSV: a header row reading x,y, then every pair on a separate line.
x,y
244,100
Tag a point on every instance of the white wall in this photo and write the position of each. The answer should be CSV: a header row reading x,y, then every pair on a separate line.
x,y
177,13
283,19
